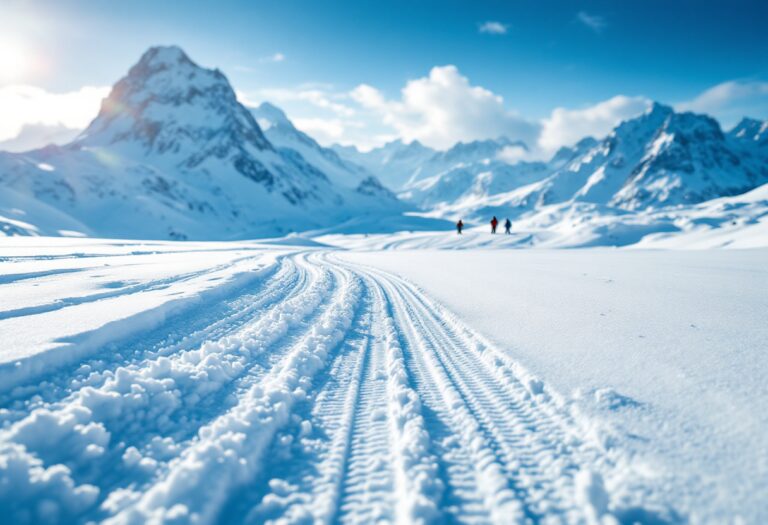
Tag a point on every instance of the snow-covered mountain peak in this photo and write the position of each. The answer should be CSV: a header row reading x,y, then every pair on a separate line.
x,y
751,130
272,114
657,108
395,163
566,154
641,128
163,57
466,153
687,159
281,132
173,154
167,104
693,126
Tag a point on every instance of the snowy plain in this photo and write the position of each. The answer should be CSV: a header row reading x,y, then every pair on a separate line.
x,y
667,347
331,380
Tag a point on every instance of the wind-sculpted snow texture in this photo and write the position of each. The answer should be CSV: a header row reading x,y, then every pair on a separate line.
x,y
310,390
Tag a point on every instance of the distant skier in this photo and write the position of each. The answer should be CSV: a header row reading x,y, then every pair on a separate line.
x,y
494,223
459,227
507,226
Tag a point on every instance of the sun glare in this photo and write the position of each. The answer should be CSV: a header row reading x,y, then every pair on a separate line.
x,y
14,62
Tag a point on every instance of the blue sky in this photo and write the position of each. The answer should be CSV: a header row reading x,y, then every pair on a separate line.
x,y
536,56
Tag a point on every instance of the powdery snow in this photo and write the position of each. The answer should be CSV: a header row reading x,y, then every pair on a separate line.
x,y
293,382
73,296
664,347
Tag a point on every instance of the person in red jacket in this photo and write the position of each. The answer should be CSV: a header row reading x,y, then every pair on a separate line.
x,y
494,223
459,226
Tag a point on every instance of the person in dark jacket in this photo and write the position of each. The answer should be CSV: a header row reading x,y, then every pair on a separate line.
x,y
507,226
459,227
494,223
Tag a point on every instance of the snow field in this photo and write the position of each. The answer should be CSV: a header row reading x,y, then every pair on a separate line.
x,y
43,295
653,354
319,390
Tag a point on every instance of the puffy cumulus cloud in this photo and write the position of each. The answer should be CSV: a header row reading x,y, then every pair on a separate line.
x,y
565,127
730,101
493,27
22,105
369,97
444,108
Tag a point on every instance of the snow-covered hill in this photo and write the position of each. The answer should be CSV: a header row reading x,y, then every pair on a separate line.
x,y
173,154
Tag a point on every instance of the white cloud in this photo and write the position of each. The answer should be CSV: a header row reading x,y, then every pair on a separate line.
x,y
443,108
318,97
270,59
565,127
439,110
277,57
730,101
34,136
363,134
493,27
21,105
324,130
513,154
594,22
328,115
369,97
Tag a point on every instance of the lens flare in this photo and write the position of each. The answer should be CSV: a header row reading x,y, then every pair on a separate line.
x,y
14,61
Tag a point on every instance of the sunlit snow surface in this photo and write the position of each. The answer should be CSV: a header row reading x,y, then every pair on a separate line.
x,y
298,381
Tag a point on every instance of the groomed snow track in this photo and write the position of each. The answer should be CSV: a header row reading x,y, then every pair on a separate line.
x,y
326,392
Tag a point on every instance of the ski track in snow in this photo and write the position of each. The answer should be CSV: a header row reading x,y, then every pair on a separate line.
x,y
326,392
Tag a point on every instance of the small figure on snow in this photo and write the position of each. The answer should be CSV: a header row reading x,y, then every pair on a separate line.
x,y
459,227
507,226
494,223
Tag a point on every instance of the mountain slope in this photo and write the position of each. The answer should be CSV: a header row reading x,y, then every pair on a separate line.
x,y
173,154
283,134
656,160
751,132
408,166
395,163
